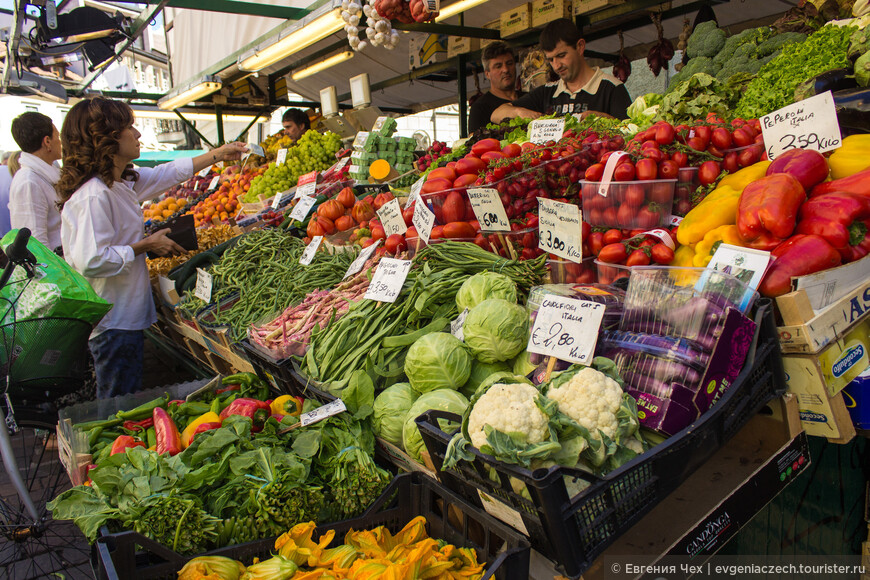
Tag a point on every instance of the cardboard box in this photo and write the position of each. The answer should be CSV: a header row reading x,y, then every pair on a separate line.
x,y
857,398
457,45
821,415
494,25
587,6
544,11
426,49
516,20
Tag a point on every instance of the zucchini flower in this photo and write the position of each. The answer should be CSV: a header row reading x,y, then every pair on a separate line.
x,y
275,568
211,568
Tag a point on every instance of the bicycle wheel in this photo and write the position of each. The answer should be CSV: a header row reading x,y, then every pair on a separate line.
x,y
49,547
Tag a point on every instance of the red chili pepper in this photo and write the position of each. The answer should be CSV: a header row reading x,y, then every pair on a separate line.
x,y
798,256
227,389
124,442
843,219
138,425
203,427
768,209
168,437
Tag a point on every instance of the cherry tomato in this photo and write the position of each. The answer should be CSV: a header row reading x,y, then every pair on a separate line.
x,y
653,153
696,143
665,134
596,242
729,163
704,133
662,254
613,254
680,158
715,151
651,144
594,172
721,138
637,258
750,156
669,169
709,172
647,169
742,137
611,236
624,172
633,194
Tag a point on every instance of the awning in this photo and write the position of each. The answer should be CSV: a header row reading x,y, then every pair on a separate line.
x,y
152,158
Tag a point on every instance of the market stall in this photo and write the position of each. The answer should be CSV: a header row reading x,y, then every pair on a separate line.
x,y
562,328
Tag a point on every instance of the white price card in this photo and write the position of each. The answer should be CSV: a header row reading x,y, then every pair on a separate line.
x,y
281,157
310,250
456,325
391,218
566,328
256,149
307,185
321,413
609,168
423,220
560,230
489,209
388,279
303,206
204,171
415,192
808,124
203,285
360,140
338,165
361,260
196,185
543,130
214,182
278,197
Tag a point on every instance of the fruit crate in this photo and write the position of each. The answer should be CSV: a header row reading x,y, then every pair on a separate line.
x,y
205,320
573,531
448,517
282,374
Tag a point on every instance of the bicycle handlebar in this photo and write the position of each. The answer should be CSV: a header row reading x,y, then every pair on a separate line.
x,y
18,255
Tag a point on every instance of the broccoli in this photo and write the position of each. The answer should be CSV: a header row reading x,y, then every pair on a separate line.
x,y
706,40
677,79
701,64
776,43
750,36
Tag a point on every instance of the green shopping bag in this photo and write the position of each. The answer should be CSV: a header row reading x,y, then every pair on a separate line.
x,y
56,291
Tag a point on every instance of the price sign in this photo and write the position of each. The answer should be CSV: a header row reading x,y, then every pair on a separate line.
x,y
256,149
361,260
321,413
310,250
808,124
609,168
543,130
388,279
281,157
391,218
204,171
214,182
360,140
196,185
338,165
415,192
560,229
423,220
303,206
307,185
278,197
203,285
456,325
488,209
566,328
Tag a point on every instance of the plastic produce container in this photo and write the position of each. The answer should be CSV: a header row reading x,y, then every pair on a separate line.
x,y
610,273
687,183
629,204
568,272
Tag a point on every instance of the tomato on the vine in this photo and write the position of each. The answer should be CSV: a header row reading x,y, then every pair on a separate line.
x,y
613,253
637,258
709,172
662,254
611,236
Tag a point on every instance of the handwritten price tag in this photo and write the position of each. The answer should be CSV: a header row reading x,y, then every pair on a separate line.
x,y
256,149
307,185
204,171
391,218
566,328
310,250
303,206
808,124
278,197
488,209
360,260
321,413
456,325
559,229
214,182
388,279
423,220
281,157
543,130
203,285
415,192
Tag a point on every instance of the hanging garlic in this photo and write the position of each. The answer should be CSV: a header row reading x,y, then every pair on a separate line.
x,y
345,4
354,8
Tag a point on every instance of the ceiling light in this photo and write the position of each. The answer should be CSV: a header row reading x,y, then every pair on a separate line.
x,y
206,86
193,116
457,7
303,35
322,65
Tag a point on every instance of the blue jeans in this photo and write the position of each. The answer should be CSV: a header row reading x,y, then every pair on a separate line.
x,y
118,358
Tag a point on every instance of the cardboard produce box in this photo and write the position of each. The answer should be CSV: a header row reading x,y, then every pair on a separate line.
x,y
426,49
587,6
544,11
821,416
457,45
494,25
840,362
516,20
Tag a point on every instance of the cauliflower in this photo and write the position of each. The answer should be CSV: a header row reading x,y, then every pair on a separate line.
x,y
510,409
592,399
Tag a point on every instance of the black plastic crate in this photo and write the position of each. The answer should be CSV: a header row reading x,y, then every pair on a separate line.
x,y
282,375
448,517
573,531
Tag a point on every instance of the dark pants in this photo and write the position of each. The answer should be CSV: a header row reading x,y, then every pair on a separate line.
x,y
118,358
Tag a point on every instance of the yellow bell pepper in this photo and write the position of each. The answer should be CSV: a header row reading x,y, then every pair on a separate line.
x,y
187,434
683,257
745,176
707,247
287,405
852,156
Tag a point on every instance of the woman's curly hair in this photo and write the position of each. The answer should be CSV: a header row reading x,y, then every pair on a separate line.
x,y
89,138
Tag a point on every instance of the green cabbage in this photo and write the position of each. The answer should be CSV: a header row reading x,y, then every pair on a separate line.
x,y
437,361
496,330
390,409
522,364
442,400
479,372
485,285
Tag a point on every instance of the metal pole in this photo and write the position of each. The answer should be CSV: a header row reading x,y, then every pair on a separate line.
x,y
12,469
463,98
219,114
251,124
193,128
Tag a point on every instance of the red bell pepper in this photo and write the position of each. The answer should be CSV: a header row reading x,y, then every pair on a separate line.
x,y
202,427
843,219
124,442
168,437
858,183
257,411
807,166
768,209
798,256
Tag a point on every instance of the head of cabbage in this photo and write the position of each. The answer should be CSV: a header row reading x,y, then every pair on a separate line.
x,y
496,330
479,372
442,400
390,408
438,360
485,285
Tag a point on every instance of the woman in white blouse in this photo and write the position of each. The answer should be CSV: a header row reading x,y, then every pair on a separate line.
x,y
103,234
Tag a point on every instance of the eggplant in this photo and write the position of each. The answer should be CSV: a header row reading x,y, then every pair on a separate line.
x,y
833,80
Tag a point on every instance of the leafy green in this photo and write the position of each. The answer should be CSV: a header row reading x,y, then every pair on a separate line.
x,y
496,330
694,98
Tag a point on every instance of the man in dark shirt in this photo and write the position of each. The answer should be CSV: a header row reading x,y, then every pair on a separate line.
x,y
500,67
581,89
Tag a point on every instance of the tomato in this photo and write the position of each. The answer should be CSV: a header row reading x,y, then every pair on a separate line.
x,y
750,156
625,216
365,243
624,172
634,194
704,133
408,214
470,165
665,134
652,153
453,208
715,151
481,241
637,258
344,223
378,233
411,233
696,143
680,158
661,193
662,254
611,236
594,172
455,230
442,173
346,197
596,242
729,163
742,137
608,216
512,150
464,181
708,172
613,254
491,156
647,169
395,244
721,138
669,169
437,233
651,144
484,146
434,185
331,209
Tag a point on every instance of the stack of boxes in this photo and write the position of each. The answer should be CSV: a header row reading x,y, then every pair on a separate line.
x,y
379,143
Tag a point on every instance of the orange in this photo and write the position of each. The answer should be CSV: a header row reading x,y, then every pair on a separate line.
x,y
167,213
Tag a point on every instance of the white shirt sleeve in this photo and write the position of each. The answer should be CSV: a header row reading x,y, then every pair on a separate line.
x,y
28,208
92,254
155,180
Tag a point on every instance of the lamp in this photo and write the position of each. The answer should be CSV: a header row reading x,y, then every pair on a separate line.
x,y
456,8
196,116
205,86
303,35
79,25
322,65
360,91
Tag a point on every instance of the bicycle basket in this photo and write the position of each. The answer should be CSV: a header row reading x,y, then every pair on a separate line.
x,y
45,357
